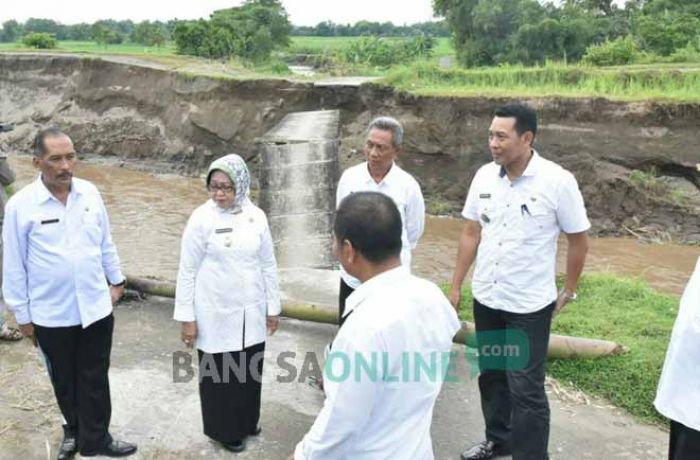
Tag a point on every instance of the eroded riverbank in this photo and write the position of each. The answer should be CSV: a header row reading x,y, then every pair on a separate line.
x,y
178,122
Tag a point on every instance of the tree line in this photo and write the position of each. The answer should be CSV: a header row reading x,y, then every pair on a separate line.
x,y
484,32
376,29
493,32
107,31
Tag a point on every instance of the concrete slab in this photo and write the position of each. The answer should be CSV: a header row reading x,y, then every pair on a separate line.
x,y
163,417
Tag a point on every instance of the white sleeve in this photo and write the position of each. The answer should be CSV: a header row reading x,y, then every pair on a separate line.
x,y
415,215
191,255
268,265
14,268
347,407
571,211
110,258
341,192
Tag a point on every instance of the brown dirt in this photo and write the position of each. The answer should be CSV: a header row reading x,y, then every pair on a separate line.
x,y
176,122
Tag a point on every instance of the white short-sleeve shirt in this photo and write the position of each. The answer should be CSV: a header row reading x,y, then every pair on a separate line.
x,y
678,394
401,187
520,224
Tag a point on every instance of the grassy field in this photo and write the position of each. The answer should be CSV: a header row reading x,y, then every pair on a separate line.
x,y
94,48
665,82
624,311
679,82
325,45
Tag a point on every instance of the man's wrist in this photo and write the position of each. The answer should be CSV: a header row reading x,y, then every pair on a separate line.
x,y
568,294
122,283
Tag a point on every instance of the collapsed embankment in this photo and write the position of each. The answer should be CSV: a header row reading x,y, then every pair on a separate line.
x,y
179,122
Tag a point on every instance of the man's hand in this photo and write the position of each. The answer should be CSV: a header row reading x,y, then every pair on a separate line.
x,y
291,457
116,292
188,333
456,298
27,331
272,324
562,300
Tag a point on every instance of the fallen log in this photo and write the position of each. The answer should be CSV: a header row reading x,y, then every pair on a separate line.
x,y
560,346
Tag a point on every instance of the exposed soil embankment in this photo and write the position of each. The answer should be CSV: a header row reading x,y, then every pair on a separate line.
x,y
179,123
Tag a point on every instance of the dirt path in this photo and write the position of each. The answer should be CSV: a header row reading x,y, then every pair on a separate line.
x,y
164,419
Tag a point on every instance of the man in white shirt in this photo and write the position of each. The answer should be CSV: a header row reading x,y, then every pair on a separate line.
x,y
678,395
7,177
380,173
515,210
61,276
378,403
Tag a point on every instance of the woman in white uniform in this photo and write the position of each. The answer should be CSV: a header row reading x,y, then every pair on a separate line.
x,y
227,300
678,395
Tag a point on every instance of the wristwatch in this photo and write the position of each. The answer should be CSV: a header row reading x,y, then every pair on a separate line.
x,y
120,284
570,297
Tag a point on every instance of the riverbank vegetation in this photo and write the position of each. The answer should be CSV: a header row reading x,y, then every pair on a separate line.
x,y
625,311
505,48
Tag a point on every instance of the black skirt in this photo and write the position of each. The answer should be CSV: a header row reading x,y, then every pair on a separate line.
x,y
230,384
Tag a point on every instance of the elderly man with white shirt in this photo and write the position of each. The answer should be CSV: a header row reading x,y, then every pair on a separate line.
x,y
515,210
678,395
391,319
61,277
380,173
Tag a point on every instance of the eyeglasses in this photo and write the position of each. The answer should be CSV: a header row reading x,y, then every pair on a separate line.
x,y
213,188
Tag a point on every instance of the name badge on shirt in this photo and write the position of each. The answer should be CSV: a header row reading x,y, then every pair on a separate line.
x,y
49,221
485,195
223,230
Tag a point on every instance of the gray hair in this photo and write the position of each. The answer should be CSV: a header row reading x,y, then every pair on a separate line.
x,y
388,124
39,145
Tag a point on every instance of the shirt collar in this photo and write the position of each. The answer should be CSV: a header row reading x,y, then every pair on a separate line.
x,y
387,179
531,169
374,285
215,207
43,194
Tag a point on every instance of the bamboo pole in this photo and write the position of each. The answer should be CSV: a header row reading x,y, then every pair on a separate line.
x,y
560,346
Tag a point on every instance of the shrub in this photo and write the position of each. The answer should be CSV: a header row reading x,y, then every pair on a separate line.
x,y
688,54
380,52
40,40
617,52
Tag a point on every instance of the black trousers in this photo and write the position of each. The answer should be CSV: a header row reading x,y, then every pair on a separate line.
x,y
684,443
78,363
230,385
513,398
344,293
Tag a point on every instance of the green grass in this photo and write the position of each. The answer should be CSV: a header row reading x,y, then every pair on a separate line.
x,y
553,79
94,48
329,45
625,311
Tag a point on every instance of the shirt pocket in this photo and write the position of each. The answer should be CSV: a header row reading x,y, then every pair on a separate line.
x,y
49,230
538,219
90,224
489,213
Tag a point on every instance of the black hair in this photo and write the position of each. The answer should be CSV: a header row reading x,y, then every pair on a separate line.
x,y
525,117
372,223
39,144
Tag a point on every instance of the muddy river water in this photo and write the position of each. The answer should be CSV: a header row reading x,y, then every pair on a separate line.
x,y
148,213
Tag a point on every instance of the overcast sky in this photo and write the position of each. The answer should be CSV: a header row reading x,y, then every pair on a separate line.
x,y
301,12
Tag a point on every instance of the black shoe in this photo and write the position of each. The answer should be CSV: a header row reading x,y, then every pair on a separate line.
x,y
68,447
484,451
114,449
237,446
256,431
